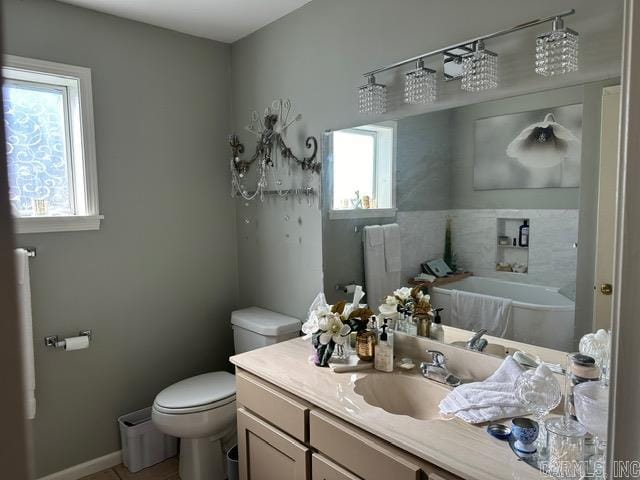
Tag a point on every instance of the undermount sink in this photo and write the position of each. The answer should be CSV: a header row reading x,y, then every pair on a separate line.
x,y
402,395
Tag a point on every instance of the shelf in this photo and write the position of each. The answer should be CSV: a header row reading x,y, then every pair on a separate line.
x,y
456,277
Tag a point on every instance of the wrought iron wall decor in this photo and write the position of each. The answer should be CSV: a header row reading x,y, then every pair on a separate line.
x,y
270,130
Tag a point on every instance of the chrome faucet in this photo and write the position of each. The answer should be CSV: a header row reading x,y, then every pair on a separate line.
x,y
437,370
476,342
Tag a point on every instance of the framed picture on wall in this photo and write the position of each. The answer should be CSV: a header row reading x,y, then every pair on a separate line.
x,y
535,149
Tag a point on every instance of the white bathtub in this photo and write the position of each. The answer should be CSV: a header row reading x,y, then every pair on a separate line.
x,y
541,316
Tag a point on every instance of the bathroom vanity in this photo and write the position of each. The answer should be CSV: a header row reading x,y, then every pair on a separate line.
x,y
299,421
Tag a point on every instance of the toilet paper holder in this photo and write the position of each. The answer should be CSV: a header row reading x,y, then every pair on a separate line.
x,y
54,341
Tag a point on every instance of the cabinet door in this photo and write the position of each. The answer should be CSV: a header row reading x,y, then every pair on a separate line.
x,y
324,469
265,453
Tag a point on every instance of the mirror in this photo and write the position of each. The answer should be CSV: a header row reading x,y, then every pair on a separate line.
x,y
491,207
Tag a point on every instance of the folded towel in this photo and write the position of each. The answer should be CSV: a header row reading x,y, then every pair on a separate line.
x,y
24,310
473,311
378,280
392,247
489,400
373,235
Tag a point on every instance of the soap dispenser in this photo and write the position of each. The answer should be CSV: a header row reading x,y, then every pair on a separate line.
x,y
384,350
436,332
523,237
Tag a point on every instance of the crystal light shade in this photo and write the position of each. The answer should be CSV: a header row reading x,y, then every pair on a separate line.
x,y
479,70
420,85
372,97
557,51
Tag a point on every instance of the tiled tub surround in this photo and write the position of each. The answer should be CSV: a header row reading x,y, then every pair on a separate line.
x,y
552,255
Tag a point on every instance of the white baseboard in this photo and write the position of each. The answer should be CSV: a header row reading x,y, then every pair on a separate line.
x,y
87,468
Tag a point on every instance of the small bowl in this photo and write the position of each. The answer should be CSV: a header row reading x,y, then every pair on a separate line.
x,y
525,431
499,431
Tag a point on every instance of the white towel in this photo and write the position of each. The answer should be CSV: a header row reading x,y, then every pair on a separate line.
x,y
392,248
378,281
26,324
486,401
473,311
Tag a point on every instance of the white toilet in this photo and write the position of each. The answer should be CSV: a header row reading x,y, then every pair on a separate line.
x,y
201,410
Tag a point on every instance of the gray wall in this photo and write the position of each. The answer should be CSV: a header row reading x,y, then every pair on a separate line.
x,y
316,56
157,282
423,162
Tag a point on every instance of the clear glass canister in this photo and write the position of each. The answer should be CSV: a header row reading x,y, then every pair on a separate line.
x,y
565,446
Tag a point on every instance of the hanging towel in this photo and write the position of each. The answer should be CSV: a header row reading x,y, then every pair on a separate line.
x,y
26,327
489,400
379,282
473,311
392,249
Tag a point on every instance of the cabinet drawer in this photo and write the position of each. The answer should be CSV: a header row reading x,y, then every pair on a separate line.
x,y
265,453
288,413
365,455
324,469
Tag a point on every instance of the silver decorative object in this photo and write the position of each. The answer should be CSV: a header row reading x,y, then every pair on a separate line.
x,y
271,131
420,85
372,97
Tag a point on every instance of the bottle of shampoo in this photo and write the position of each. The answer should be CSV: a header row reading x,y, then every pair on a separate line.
x,y
384,350
523,239
436,332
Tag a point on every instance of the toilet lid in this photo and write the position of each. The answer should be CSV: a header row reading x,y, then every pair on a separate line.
x,y
197,391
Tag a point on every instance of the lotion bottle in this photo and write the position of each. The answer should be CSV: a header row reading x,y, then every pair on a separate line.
x,y
384,350
436,332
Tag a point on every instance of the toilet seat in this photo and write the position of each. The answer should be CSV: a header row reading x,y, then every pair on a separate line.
x,y
197,394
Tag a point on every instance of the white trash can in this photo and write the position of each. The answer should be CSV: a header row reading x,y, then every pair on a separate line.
x,y
143,444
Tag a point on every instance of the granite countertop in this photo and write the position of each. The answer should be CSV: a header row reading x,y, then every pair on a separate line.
x,y
460,448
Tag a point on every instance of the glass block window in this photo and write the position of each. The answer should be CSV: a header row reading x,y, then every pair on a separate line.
x,y
48,122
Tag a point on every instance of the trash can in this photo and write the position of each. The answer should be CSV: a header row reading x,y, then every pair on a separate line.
x,y
143,444
232,463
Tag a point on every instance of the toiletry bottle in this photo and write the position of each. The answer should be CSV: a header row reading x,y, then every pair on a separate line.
x,y
384,351
523,239
436,332
365,345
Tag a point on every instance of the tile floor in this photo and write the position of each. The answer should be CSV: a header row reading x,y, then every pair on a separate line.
x,y
167,470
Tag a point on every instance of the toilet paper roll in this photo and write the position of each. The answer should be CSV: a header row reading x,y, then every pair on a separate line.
x,y
76,343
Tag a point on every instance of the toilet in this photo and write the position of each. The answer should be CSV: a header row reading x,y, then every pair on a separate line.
x,y
201,410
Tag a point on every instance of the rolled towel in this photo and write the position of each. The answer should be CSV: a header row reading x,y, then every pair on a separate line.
x,y
489,400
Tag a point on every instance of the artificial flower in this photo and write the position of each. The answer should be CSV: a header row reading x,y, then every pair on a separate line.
x,y
403,293
333,329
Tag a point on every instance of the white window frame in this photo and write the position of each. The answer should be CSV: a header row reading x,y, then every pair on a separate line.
x,y
372,212
76,82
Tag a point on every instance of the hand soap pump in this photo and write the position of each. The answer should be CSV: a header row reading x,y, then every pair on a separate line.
x,y
384,350
436,332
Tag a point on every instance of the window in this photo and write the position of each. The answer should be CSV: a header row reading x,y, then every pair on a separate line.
x,y
363,171
48,121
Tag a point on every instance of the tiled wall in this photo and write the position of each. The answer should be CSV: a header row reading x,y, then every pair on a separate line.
x,y
552,256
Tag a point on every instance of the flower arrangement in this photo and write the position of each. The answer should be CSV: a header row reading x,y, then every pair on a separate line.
x,y
410,300
331,325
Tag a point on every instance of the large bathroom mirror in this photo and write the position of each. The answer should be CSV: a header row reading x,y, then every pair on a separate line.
x,y
495,207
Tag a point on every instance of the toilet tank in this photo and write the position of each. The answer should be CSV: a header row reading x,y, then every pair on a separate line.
x,y
256,327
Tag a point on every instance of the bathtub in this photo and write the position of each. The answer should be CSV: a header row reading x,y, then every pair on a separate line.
x,y
541,316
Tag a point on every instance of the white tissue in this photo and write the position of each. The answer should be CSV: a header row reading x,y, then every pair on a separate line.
x,y
76,343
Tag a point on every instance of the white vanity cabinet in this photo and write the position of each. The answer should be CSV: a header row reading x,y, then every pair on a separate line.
x,y
285,438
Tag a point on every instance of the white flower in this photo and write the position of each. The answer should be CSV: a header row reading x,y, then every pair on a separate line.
x,y
333,329
391,300
387,309
311,325
403,293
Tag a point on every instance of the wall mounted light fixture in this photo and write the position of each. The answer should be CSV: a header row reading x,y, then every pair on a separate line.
x,y
557,50
479,69
372,97
420,84
556,53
